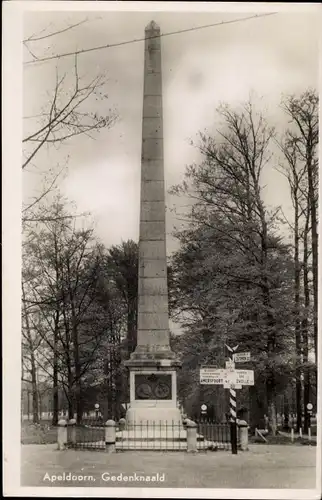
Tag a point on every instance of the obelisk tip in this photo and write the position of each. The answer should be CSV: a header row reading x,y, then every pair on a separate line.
x,y
152,26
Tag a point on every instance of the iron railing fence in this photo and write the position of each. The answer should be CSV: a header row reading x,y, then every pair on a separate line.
x,y
89,434
93,421
157,436
213,436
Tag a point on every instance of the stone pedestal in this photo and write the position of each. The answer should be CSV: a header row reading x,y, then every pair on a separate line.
x,y
153,395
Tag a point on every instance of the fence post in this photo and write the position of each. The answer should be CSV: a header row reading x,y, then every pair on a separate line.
x,y
191,436
62,434
110,436
243,434
72,431
122,423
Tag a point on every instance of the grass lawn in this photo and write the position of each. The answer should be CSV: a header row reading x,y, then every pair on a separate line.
x,y
282,440
43,433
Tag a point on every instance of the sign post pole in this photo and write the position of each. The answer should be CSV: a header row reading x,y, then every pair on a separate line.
x,y
232,407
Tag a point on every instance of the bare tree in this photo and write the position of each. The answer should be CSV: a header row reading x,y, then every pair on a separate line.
x,y
30,344
295,171
232,235
72,108
299,148
303,112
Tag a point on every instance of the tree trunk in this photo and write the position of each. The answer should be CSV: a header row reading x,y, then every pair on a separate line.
x,y
28,404
70,405
312,198
55,417
312,174
74,332
257,406
55,375
70,392
40,407
298,383
271,336
35,401
78,388
305,324
55,391
286,411
271,404
34,385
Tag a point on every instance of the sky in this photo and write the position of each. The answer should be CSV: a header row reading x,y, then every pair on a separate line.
x,y
270,56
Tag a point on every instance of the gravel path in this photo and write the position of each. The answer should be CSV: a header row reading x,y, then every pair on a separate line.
x,y
263,466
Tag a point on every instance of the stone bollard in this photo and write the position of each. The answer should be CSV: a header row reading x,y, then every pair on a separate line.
x,y
243,434
72,431
62,434
122,424
110,436
191,436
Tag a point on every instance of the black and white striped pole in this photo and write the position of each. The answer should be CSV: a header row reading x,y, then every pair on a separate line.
x,y
232,405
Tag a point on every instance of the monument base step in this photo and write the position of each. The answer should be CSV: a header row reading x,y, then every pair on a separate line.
x,y
153,434
153,417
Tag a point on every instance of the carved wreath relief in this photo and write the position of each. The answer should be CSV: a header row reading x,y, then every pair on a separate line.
x,y
153,386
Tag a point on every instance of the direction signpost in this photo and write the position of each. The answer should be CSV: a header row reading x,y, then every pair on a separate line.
x,y
231,379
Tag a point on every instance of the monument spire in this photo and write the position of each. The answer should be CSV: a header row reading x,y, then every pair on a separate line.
x,y
153,354
153,317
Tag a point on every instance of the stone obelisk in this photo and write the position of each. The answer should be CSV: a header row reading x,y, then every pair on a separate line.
x,y
153,389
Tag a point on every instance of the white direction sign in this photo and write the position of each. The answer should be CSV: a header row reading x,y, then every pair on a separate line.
x,y
241,357
244,377
203,407
222,376
214,376
309,406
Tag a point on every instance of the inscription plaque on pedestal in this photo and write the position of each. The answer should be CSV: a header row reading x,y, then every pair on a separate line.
x,y
155,386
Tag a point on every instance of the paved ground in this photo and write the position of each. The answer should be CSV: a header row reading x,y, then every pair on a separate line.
x,y
262,467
